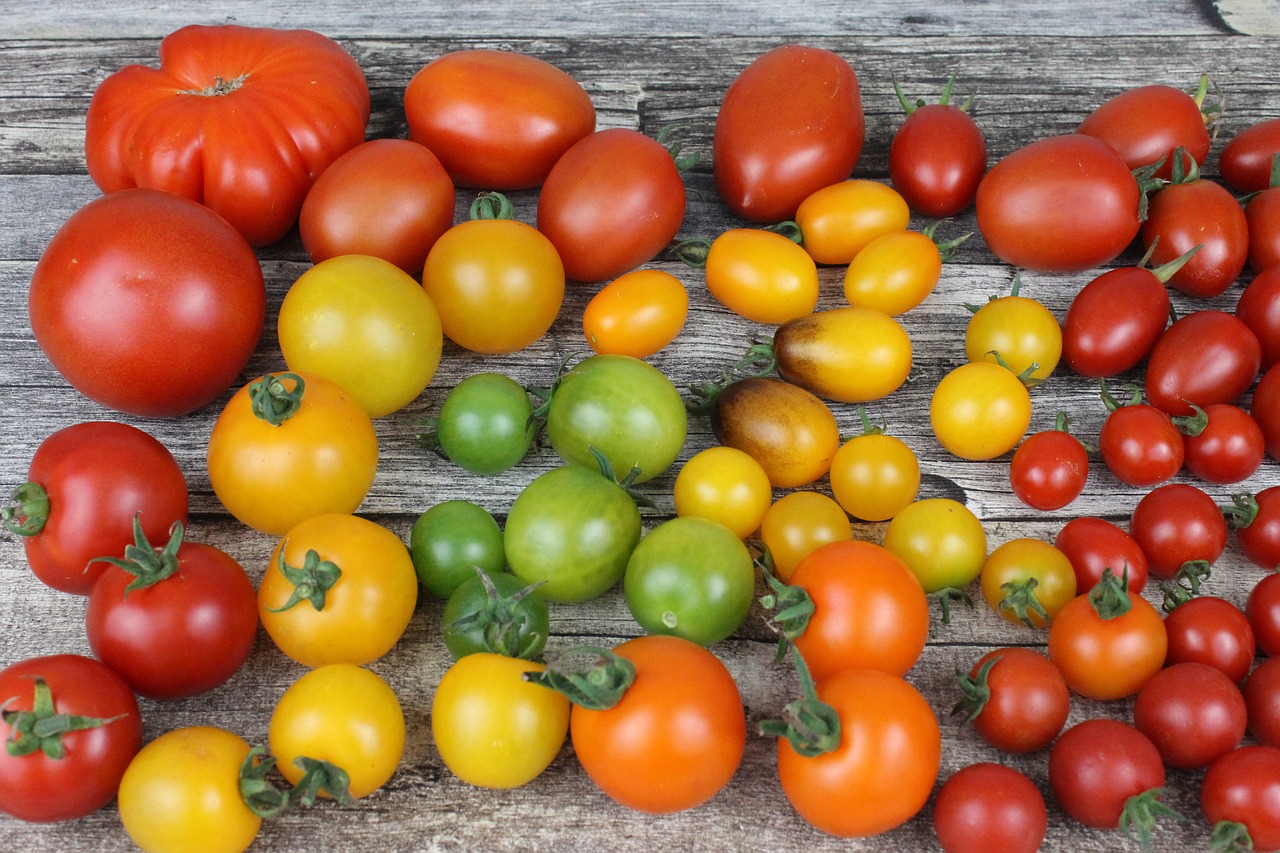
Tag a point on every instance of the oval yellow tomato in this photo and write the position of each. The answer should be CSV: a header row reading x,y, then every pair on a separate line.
x,y
850,355
893,273
838,221
636,314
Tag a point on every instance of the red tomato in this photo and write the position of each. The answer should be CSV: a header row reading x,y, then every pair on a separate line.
x,y
1107,648
36,784
1094,545
1265,409
1145,125
1262,701
938,156
1198,213
243,119
613,201
1245,161
1212,631
390,198
148,303
1192,712
497,120
790,123
1263,611
1259,309
1204,357
1049,469
1097,765
85,485
1176,523
1262,214
986,807
1016,699
175,622
1062,204
1243,786
1099,340
1140,445
1228,449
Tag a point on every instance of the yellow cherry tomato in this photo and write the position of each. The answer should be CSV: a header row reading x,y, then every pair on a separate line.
x,y
1027,581
636,314
724,484
980,410
1019,331
893,273
850,355
940,540
838,221
874,476
799,522
761,275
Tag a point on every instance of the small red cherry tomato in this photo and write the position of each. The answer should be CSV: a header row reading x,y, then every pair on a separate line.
x,y
1228,448
1176,523
986,807
1200,213
1245,161
1213,631
1263,612
1265,409
1146,124
1016,699
1140,445
1049,469
938,156
1097,765
1192,712
1259,309
1094,545
1262,701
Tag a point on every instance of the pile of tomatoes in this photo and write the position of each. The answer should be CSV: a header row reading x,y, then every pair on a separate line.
x,y
395,283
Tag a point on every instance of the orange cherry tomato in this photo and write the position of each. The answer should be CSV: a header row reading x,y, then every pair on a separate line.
x,y
839,220
636,314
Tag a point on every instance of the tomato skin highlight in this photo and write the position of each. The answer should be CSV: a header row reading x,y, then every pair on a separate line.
x,y
1204,357
850,355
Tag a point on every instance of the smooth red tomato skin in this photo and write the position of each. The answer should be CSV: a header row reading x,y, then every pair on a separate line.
x,y
1213,631
1175,523
1200,213
1095,544
1107,658
1192,712
1204,357
497,120
1141,445
1245,161
390,198
1263,611
148,303
40,789
1146,124
790,123
1098,764
1049,469
937,159
1265,409
1259,309
613,201
1262,214
1098,340
986,807
1029,701
1244,786
1229,448
1262,701
1061,204
259,113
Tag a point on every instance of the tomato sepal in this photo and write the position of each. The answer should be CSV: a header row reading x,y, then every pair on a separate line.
x,y
1185,584
262,796
141,559
499,620
311,581
1109,597
597,688
28,510
1230,836
319,777
1140,813
1020,597
975,691
811,726
42,727
945,596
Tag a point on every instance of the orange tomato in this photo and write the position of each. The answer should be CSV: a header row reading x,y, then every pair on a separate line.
x,y
636,314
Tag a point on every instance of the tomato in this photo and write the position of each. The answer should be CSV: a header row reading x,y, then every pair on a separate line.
x,y
636,314
838,221
1245,161
940,540
621,407
613,201
798,523
1192,713
1016,699
789,431
492,728
338,589
1204,357
985,807
874,476
980,410
789,124
1262,700
342,715
147,303
1200,213
1018,331
573,529
850,355
91,731
390,198
869,610
1094,545
497,120
1049,469
675,738
1243,787
451,537
1213,631
1263,611
185,785
761,275
938,155
1228,449
894,272
1175,523
1028,581
1262,215
242,119
1140,444
690,577
1097,765
497,283
1098,340
1146,124
724,484
175,622
1060,204
485,424
495,613
289,446
883,768
85,485
365,324
1259,309
1265,409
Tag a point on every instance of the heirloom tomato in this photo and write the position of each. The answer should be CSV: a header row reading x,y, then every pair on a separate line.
x,y
874,476
894,272
1241,787
1203,357
980,410
840,220
850,355
1228,446
451,538
288,446
1094,545
636,314
761,275
1176,523
987,806
1191,212
724,484
940,540
789,124
243,119
1263,612
1098,339
1018,331
1097,765
1246,160
799,523
938,155
497,120
1028,581
85,485
1211,630
789,431
485,424
71,726
148,303
1015,698
1258,533
1192,712
1049,469
1259,309
1145,126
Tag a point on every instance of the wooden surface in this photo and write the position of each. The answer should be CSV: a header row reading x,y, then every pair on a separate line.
x,y
1038,68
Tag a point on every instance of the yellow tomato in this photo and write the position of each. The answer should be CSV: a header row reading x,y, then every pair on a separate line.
x,y
940,540
839,220
636,314
850,355
724,484
798,523
761,275
1027,581
1019,331
874,476
980,410
894,272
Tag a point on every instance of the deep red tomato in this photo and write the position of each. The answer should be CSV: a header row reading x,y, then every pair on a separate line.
x,y
1263,611
1097,339
148,303
243,119
1145,125
1265,409
1262,700
986,807
1192,712
1259,309
1062,204
1245,161
1228,449
1204,357
1175,523
390,198
1049,469
1140,445
1016,699
1243,786
1094,545
1262,213
173,622
938,156
1200,213
1107,642
1097,765
613,201
36,782
790,124
497,120
85,485
1213,631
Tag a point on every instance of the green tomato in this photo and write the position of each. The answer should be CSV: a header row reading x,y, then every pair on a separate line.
x,y
451,537
484,425
496,613
690,577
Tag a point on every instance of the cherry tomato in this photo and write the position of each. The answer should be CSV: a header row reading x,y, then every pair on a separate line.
x,y
980,410
938,155
850,355
1098,340
495,613
1192,712
1145,124
894,272
485,424
1097,765
940,540
1094,545
1108,642
1228,449
1140,445
1018,331
840,220
874,476
1049,469
1245,161
1016,699
1213,631
1241,787
1262,215
497,120
789,431
1175,523
636,314
1262,700
789,124
1027,581
1259,309
761,275
1263,611
1265,409
799,523
1204,357
1200,213
724,484
985,807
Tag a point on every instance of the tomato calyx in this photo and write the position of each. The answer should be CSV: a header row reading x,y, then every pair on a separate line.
x,y
311,581
693,252
28,510
943,100
596,688
1242,512
1230,836
975,690
320,777
1140,812
500,621
492,205
1185,584
42,727
141,559
789,608
947,249
945,596
1112,402
685,163
262,796
758,362
275,402
1020,597
811,726
1110,595
219,87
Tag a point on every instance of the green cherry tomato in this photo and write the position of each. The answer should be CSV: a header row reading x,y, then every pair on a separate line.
x,y
496,613
484,424
451,537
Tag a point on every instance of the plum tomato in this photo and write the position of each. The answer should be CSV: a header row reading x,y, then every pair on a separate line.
x,y
1203,357
1197,212
1094,545
1100,341
840,220
789,431
636,314
1259,309
1246,160
1147,123
761,275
